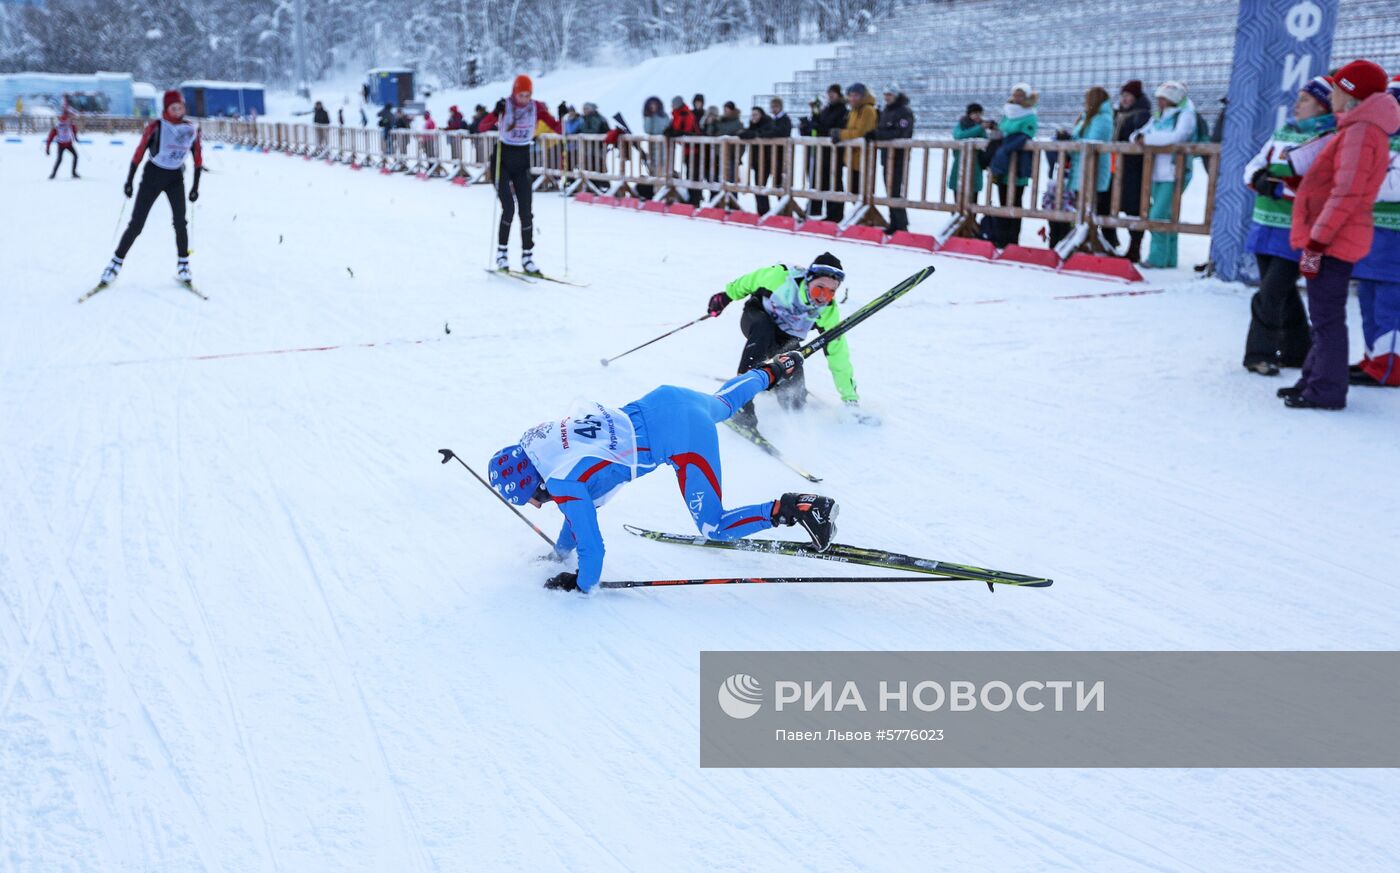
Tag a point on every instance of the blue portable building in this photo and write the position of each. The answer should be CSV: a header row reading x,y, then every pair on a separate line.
x,y
95,93
391,85
205,98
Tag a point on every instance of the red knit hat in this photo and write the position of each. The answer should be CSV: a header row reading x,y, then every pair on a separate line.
x,y
1360,78
171,96
523,83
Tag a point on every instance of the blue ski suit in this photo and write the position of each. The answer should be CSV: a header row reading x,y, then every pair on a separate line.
x,y
674,426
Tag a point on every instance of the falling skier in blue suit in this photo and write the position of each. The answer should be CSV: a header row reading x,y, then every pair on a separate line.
x,y
579,461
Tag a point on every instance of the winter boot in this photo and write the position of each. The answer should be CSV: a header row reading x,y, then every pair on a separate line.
x,y
746,417
109,275
527,263
502,259
1134,254
816,515
182,271
1263,368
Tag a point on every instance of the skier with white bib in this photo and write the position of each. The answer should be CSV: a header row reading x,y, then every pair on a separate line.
x,y
578,461
518,121
168,140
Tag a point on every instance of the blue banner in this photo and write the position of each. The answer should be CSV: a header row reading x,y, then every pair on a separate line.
x,y
1279,46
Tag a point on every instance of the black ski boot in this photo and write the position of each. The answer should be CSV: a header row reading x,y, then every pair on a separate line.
x,y
816,515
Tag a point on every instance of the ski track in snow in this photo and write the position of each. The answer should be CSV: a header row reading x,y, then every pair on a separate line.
x,y
248,622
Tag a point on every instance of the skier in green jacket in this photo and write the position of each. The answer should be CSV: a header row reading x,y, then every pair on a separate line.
x,y
784,304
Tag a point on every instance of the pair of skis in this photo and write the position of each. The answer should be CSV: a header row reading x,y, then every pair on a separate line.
x,y
188,286
532,278
928,569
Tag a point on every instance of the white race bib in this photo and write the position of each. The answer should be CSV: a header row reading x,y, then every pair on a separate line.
x,y
175,142
592,431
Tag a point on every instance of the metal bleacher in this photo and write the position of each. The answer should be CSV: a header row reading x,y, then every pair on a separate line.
x,y
945,54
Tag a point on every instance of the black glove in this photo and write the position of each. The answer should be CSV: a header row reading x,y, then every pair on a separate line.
x,y
782,366
499,109
130,175
563,582
194,189
1262,182
46,150
836,137
717,304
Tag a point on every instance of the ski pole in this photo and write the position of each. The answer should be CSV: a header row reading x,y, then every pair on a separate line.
x,y
449,455
120,215
773,580
495,183
606,361
564,163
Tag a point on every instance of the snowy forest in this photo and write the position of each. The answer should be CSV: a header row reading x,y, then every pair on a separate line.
x,y
461,42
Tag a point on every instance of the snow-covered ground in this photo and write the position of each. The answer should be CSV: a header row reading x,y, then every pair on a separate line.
x,y
723,72
249,622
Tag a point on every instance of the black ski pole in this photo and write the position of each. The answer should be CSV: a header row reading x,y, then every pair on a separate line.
x,y
449,455
773,580
606,361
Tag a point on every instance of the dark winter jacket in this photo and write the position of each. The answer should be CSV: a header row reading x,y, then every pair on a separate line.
x,y
761,129
592,122
455,121
729,125
1125,121
832,117
782,125
321,116
896,120
386,117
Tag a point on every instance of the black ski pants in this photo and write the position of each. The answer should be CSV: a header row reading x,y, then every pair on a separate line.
x,y
156,181
515,175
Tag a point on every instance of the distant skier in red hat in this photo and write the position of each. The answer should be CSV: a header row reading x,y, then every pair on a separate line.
x,y
517,119
168,139
65,131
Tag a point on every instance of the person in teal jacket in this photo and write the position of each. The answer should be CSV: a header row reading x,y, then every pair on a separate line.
x,y
784,304
1173,122
1095,124
970,126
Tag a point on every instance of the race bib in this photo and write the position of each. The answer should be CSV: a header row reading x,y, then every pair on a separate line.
x,y
175,142
592,431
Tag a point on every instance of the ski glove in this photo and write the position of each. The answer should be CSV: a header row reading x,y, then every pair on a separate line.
x,y
46,150
194,189
717,304
1310,264
130,175
563,582
1262,183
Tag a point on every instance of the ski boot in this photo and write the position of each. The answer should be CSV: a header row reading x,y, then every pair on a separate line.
x,y
502,259
109,275
781,367
527,263
182,271
816,515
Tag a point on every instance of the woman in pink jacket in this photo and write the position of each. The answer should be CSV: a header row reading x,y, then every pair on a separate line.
x,y
1332,224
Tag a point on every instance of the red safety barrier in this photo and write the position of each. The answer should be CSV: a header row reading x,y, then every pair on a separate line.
x,y
921,241
820,228
585,197
710,213
976,248
681,209
1101,265
864,233
1018,254
779,222
741,218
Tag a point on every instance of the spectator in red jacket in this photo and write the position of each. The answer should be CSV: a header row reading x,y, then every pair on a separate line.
x,y
684,123
66,132
1332,224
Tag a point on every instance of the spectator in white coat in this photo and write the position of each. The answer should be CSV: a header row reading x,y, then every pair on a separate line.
x,y
1173,122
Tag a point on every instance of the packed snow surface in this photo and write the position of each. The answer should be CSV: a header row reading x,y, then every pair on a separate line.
x,y
248,621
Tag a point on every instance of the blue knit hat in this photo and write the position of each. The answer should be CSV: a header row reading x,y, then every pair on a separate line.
x,y
513,476
1319,88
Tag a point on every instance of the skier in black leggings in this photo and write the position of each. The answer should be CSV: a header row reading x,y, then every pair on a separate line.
x,y
168,139
516,119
